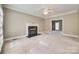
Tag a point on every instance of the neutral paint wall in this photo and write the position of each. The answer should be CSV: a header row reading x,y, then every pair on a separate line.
x,y
15,23
47,26
70,23
78,23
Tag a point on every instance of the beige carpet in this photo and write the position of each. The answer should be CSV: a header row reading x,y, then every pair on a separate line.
x,y
42,44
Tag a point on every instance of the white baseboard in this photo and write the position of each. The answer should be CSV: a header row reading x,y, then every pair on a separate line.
x,y
70,35
12,38
17,37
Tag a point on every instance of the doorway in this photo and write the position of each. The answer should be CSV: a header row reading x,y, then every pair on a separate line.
x,y
57,25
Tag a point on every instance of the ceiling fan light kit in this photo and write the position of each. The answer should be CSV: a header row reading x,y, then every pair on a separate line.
x,y
47,11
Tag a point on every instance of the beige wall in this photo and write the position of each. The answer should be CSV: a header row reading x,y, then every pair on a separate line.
x,y
78,23
70,23
15,22
47,26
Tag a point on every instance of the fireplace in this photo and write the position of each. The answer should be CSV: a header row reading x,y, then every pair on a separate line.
x,y
32,31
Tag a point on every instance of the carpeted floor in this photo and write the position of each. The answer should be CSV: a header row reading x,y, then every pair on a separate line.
x,y
52,43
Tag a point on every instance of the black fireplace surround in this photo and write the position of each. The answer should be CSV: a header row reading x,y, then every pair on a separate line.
x,y
32,31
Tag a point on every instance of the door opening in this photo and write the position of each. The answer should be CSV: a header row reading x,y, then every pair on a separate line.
x,y
57,25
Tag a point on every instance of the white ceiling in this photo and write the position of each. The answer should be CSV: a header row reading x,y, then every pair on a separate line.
x,y
37,9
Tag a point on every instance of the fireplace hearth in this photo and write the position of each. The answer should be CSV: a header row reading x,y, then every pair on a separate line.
x,y
32,31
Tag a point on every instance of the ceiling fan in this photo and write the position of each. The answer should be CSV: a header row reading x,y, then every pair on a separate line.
x,y
47,11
